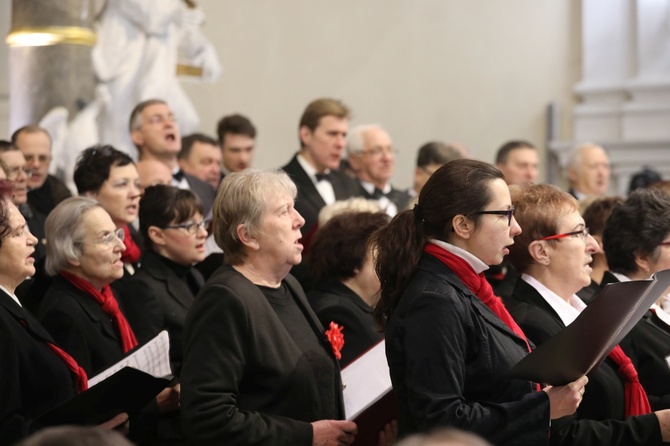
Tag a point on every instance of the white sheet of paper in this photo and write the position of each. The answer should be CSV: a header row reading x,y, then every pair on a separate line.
x,y
366,380
152,358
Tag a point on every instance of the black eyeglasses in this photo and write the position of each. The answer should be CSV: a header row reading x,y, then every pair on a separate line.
x,y
509,212
190,226
582,232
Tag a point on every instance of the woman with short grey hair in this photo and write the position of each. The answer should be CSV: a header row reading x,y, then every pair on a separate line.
x,y
258,367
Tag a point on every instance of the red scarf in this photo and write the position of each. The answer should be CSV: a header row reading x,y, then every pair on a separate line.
x,y
109,305
478,284
635,397
132,253
79,373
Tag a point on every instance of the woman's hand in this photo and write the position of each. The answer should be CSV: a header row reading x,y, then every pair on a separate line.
x,y
389,435
168,399
119,422
564,400
664,420
334,432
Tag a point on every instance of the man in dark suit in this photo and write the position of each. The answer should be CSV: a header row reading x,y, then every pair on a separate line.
x,y
45,191
372,158
155,132
314,170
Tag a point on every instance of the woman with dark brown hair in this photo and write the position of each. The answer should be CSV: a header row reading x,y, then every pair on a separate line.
x,y
449,341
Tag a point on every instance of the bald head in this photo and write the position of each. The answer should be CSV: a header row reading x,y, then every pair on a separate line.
x,y
153,172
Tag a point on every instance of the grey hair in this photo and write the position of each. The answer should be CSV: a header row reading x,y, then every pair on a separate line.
x,y
575,155
241,200
63,229
355,137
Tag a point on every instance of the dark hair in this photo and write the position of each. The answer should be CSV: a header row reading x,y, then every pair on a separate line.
x,y
505,149
94,164
188,141
596,214
644,178
460,187
6,187
319,108
162,205
6,146
235,124
537,209
340,247
436,152
30,128
636,227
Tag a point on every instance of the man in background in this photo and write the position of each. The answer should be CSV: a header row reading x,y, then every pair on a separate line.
x,y
44,191
430,157
200,156
588,171
518,161
372,159
237,138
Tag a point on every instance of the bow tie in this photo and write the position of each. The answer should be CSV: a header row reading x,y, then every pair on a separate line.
x,y
378,193
178,175
322,176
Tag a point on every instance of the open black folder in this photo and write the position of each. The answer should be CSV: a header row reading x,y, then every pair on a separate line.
x,y
585,343
127,386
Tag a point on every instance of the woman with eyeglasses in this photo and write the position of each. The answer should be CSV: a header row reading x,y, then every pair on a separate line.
x,y
553,255
450,342
636,239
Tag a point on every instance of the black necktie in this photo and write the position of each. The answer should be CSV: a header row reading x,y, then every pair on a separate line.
x,y
178,175
322,176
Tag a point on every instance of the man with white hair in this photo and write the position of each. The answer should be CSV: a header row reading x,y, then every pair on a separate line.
x,y
372,158
588,171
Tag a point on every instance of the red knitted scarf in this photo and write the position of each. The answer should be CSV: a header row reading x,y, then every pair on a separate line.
x,y
132,253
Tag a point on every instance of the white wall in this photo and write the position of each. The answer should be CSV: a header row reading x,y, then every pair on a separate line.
x,y
479,71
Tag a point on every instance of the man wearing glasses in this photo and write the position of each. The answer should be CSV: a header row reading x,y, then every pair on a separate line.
x,y
372,158
44,191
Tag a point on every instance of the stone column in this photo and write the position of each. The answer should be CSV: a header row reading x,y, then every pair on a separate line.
x,y
49,58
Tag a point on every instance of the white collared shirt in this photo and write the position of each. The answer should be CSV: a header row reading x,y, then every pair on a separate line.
x,y
568,312
385,203
473,260
324,187
12,295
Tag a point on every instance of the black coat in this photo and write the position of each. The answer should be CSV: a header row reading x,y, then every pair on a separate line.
x,y
78,324
244,379
449,355
599,420
203,190
335,302
155,299
33,379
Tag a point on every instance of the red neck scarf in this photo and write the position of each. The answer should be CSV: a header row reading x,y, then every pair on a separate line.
x,y
79,373
478,284
635,397
132,253
109,305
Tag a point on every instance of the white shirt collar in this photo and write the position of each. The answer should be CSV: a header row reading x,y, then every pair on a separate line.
x,y
621,277
370,188
308,168
568,312
12,295
473,260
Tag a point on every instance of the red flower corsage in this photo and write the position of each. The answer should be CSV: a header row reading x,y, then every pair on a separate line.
x,y
336,339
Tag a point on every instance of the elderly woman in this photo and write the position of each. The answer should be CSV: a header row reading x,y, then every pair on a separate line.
x,y
158,296
346,284
110,177
36,374
257,367
449,340
636,240
553,255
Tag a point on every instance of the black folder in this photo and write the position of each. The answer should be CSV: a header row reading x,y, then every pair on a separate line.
x,y
128,390
587,341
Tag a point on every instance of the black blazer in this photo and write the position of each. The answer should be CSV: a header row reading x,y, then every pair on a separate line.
x,y
599,419
244,379
52,192
80,327
333,301
203,190
309,201
155,300
449,355
33,379
648,346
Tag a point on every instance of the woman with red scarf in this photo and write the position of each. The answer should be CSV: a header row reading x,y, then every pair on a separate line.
x,y
449,340
552,255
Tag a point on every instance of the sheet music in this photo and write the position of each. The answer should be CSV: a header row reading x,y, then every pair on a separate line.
x,y
367,380
152,358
